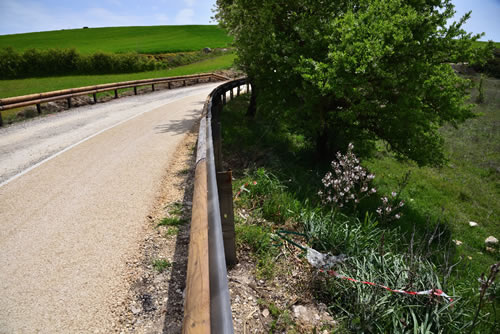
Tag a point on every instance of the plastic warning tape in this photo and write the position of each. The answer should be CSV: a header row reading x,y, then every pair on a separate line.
x,y
243,188
434,292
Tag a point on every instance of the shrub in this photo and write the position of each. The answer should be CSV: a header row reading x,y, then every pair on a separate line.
x,y
37,63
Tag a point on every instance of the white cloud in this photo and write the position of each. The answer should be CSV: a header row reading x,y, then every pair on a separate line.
x,y
184,16
161,19
189,3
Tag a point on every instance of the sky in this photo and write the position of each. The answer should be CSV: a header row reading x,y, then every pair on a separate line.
x,y
19,16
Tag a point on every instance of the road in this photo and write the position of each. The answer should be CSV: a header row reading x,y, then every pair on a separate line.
x,y
75,191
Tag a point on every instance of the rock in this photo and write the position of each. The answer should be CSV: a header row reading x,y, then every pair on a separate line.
x,y
301,313
473,224
491,241
135,310
265,313
207,50
457,242
490,250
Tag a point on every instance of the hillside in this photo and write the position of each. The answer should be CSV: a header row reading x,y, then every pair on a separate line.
x,y
155,39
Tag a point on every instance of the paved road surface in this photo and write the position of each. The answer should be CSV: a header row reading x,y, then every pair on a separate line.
x,y
75,192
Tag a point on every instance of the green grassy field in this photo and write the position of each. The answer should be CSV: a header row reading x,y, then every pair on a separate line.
x,y
481,43
38,85
155,39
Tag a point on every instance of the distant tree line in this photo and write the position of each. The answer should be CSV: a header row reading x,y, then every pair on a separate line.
x,y
54,62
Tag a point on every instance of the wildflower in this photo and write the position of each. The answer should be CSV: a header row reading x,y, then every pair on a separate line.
x,y
397,216
394,194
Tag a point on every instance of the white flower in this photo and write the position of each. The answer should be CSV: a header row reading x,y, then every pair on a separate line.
x,y
394,194
397,216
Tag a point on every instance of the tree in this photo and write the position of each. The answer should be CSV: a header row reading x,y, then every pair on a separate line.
x,y
356,70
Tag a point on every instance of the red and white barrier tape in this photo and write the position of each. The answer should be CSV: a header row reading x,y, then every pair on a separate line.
x,y
324,263
243,188
434,292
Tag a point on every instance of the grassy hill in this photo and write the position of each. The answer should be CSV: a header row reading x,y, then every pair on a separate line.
x,y
155,39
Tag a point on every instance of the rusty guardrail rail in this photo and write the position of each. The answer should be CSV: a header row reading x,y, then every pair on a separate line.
x,y
207,307
67,94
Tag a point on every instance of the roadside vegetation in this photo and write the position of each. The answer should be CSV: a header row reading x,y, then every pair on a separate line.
x,y
58,62
429,245
20,87
38,85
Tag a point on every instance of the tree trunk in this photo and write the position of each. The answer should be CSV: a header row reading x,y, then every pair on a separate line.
x,y
252,108
322,149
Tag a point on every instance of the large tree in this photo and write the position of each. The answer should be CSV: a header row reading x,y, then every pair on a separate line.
x,y
356,70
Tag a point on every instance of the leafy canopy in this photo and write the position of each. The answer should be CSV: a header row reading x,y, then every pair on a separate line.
x,y
356,70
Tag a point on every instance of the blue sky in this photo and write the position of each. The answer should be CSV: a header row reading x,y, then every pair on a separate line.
x,y
17,16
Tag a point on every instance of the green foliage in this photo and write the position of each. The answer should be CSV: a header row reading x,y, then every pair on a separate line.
x,y
161,264
150,40
415,253
54,62
172,221
356,71
19,87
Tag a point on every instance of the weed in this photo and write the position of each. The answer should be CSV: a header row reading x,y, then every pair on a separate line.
x,y
185,171
161,264
172,221
176,208
171,231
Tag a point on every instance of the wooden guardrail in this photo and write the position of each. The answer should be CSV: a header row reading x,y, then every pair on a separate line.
x,y
207,308
67,94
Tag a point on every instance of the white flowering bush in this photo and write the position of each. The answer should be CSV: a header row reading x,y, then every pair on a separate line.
x,y
348,183
390,209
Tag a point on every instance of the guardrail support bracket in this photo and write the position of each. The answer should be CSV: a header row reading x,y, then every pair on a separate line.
x,y
39,108
95,98
135,90
224,185
69,102
116,93
153,87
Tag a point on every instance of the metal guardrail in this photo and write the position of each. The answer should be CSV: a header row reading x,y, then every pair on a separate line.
x,y
67,94
207,307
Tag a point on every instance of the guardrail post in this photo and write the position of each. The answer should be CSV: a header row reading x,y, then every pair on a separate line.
x,y
116,93
184,83
1,120
216,128
231,93
224,186
39,108
95,97
69,102
169,85
224,98
238,91
248,87
153,87
135,90
209,79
